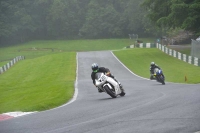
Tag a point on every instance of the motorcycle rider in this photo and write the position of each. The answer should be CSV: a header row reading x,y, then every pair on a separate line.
x,y
106,71
152,67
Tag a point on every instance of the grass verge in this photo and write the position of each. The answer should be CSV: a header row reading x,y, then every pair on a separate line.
x,y
38,84
35,49
138,60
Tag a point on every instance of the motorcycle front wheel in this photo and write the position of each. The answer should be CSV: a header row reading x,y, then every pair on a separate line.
x,y
110,92
161,79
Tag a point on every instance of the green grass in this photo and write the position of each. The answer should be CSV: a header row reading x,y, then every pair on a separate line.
x,y
185,51
38,84
35,49
138,60
2,63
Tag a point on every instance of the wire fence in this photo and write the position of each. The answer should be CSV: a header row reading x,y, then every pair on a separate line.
x,y
133,38
195,49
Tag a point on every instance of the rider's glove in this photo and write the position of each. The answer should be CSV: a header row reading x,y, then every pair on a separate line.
x,y
108,74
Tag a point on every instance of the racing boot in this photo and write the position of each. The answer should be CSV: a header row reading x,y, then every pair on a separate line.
x,y
99,90
121,87
122,90
152,77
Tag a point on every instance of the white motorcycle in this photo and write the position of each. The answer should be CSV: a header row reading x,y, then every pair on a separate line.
x,y
108,85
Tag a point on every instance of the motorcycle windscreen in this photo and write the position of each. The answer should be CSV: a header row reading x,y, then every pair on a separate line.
x,y
156,70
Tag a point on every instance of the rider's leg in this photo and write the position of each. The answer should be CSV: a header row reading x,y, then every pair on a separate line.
x,y
163,76
151,75
120,85
112,76
99,90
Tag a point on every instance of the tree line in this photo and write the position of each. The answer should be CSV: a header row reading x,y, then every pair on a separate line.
x,y
26,20
171,15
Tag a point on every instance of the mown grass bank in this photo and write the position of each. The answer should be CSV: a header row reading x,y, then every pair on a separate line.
x,y
35,49
138,60
38,84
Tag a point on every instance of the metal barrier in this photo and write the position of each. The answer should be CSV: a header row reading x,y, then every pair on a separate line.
x,y
11,63
189,59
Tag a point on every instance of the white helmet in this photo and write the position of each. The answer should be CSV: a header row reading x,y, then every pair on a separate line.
x,y
152,63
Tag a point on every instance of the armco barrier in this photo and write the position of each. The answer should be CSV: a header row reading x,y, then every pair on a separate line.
x,y
189,59
142,45
11,63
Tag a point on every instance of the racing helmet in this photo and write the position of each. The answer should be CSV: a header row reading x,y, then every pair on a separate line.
x,y
95,67
152,63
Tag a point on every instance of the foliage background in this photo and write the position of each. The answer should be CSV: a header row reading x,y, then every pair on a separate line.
x,y
25,20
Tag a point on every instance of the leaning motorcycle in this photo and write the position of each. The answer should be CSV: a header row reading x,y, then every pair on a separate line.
x,y
158,74
108,85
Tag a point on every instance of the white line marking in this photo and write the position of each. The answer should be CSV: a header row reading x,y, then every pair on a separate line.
x,y
17,114
127,67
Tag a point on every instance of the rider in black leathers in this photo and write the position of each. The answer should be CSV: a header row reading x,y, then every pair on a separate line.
x,y
106,71
152,67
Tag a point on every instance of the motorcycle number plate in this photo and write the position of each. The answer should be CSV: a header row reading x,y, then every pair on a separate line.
x,y
103,78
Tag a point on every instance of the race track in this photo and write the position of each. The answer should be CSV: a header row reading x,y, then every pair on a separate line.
x,y
147,107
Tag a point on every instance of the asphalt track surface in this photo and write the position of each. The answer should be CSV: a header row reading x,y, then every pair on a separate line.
x,y
147,107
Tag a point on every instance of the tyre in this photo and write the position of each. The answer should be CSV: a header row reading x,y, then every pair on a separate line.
x,y
162,80
110,92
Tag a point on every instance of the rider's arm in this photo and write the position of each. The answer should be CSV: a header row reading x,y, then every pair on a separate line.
x,y
158,67
151,70
107,72
103,69
93,78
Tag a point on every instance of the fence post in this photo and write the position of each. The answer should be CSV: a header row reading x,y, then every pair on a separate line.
x,y
179,56
185,57
11,63
196,61
1,70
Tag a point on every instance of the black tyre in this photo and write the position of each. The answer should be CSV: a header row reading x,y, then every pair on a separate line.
x,y
110,92
162,80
